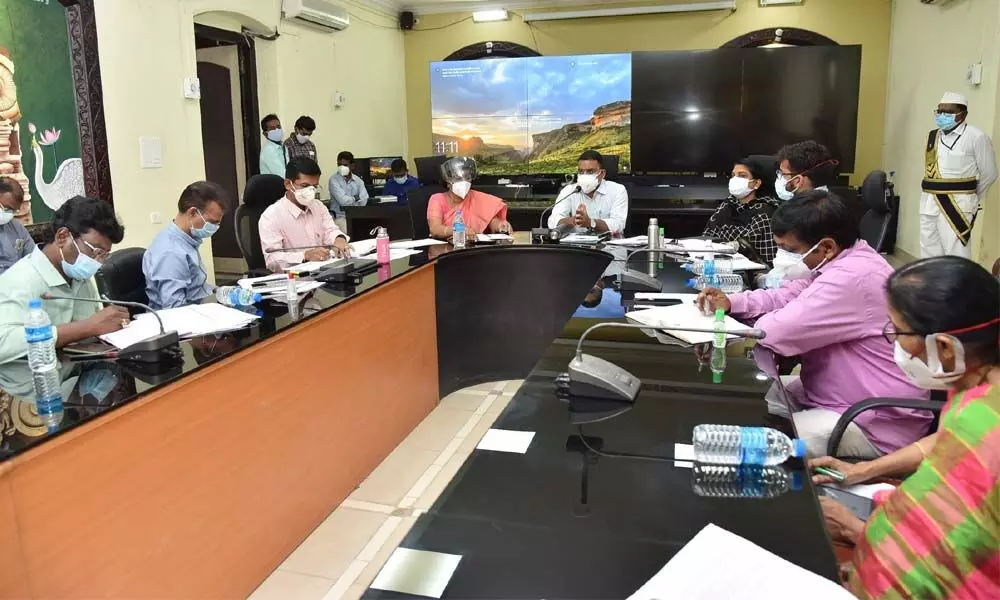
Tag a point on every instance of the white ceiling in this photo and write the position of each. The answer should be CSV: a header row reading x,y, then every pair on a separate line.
x,y
444,6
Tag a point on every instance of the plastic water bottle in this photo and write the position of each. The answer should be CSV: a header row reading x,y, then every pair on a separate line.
x,y
458,231
718,267
773,280
719,329
291,294
743,481
727,284
40,335
233,295
735,445
382,253
718,364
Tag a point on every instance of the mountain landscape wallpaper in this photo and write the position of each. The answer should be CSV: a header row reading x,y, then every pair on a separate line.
x,y
532,115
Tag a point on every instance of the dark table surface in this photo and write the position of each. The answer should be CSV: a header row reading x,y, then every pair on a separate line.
x,y
563,522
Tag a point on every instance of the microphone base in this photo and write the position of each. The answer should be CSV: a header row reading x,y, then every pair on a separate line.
x,y
637,281
542,235
159,348
597,378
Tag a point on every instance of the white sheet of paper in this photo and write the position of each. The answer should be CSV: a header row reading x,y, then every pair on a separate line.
x,y
187,321
397,253
249,282
493,237
316,265
505,440
700,245
685,314
684,455
416,243
639,240
740,262
868,490
580,238
362,247
301,287
689,297
417,572
719,564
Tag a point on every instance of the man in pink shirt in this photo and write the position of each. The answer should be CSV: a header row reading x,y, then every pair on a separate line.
x,y
831,311
299,221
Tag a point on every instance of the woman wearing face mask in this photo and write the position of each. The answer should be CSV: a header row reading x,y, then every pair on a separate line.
x,y
938,534
746,214
482,213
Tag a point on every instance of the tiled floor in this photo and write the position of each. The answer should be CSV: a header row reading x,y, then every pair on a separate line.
x,y
344,554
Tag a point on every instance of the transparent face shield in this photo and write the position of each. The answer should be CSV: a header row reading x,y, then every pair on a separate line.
x,y
459,169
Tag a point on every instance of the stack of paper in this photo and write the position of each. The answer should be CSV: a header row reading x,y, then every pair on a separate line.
x,y
187,321
739,262
685,315
486,238
253,283
362,247
635,242
719,564
416,243
315,265
700,245
580,238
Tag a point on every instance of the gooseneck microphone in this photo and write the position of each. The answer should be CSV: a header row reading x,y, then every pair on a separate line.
x,y
576,190
163,346
588,375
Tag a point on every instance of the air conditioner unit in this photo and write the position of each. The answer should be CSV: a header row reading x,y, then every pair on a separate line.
x,y
317,12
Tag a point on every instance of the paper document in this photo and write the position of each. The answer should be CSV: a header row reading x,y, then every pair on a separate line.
x,y
280,289
639,240
362,247
684,297
416,243
719,564
702,245
249,283
506,440
397,253
868,490
315,265
685,314
187,321
580,238
739,262
485,238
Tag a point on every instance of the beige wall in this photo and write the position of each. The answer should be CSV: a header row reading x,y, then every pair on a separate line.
x,y
864,22
147,49
920,70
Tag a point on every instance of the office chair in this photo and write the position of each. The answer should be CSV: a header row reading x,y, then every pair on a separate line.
x,y
261,191
934,405
878,223
121,277
417,201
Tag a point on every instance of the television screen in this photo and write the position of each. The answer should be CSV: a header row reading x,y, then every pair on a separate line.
x,y
532,115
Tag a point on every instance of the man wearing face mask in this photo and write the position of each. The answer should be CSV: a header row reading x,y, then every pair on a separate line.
x,y
299,220
346,189
15,241
592,203
803,167
84,231
482,213
175,275
830,311
272,152
299,143
959,168
401,181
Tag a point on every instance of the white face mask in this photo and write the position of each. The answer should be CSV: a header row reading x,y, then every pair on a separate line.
x,y
930,375
461,188
799,269
588,182
301,138
344,170
6,216
305,196
739,187
779,186
276,135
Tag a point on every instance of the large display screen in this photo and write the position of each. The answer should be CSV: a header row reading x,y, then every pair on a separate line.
x,y
532,115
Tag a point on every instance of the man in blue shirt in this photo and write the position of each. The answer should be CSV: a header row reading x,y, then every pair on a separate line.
x,y
175,275
401,181
346,188
15,241
273,156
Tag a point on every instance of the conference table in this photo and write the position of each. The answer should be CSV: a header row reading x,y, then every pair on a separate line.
x,y
198,478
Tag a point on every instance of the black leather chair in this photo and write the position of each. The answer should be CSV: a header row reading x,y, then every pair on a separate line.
x,y
934,405
417,201
878,224
261,191
121,277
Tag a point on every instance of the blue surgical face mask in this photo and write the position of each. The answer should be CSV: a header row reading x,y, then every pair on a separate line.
x,y
276,135
98,383
6,215
945,121
401,180
83,269
206,231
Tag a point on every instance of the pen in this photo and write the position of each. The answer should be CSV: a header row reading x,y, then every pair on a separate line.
x,y
830,473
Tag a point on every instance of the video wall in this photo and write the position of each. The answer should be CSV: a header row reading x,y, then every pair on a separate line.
x,y
694,111
532,115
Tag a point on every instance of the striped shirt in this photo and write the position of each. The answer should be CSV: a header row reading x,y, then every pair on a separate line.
x,y
937,535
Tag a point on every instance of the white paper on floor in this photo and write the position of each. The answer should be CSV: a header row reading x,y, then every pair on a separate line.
x,y
417,572
505,440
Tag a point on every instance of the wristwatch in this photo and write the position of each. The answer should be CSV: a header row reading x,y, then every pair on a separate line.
x,y
593,224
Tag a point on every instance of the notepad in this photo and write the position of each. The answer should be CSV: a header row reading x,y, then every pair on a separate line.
x,y
720,564
685,314
416,243
187,321
580,238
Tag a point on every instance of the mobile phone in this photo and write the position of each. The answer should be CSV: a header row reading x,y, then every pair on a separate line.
x,y
860,506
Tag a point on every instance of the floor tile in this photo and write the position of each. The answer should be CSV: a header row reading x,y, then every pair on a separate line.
x,y
497,406
354,592
477,433
329,550
283,585
483,387
436,430
512,386
395,476
463,400
440,482
383,554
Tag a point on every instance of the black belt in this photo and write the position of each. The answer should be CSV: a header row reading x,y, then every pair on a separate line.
x,y
966,185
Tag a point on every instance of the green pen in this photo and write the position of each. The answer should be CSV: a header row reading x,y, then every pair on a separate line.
x,y
830,473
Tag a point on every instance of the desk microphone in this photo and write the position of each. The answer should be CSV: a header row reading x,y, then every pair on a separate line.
x,y
643,282
541,220
554,235
163,346
595,377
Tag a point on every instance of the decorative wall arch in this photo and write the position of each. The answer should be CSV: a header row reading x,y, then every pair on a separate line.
x,y
789,36
492,50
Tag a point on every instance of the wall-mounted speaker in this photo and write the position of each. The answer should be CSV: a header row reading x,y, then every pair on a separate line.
x,y
406,20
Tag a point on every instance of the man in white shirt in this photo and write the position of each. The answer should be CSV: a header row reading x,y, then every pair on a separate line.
x,y
592,203
959,168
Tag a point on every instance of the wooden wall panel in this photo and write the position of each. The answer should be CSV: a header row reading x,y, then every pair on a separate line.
x,y
13,584
203,488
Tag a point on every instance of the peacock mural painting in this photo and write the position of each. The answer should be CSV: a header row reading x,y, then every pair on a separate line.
x,y
68,180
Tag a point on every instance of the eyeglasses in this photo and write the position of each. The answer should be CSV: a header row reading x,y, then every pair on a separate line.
x,y
947,112
202,215
98,254
589,172
778,173
891,334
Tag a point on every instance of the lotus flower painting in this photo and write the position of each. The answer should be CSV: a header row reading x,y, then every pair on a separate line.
x,y
68,181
